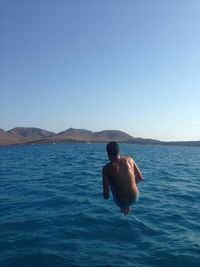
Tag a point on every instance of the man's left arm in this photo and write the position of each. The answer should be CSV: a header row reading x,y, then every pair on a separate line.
x,y
138,174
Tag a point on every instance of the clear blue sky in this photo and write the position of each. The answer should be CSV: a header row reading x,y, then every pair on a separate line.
x,y
130,65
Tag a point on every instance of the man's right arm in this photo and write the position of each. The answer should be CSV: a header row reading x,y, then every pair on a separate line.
x,y
106,184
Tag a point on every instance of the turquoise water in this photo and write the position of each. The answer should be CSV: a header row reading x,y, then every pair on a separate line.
x,y
52,212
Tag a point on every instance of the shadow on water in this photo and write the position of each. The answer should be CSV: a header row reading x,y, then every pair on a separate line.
x,y
40,260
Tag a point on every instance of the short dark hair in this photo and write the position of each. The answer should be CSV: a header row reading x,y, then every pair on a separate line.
x,y
112,149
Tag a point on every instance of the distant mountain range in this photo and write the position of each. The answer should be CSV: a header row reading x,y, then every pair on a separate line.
x,y
31,135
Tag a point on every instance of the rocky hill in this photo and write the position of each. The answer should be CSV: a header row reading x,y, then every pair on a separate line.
x,y
89,136
20,135
30,133
7,138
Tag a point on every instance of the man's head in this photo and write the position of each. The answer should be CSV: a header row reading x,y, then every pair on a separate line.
x,y
112,150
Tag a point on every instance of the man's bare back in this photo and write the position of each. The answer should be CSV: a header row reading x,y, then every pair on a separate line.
x,y
121,175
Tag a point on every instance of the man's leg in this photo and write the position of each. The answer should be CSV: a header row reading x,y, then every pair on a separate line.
x,y
126,211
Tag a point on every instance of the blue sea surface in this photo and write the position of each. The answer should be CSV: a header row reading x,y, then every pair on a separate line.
x,y
52,212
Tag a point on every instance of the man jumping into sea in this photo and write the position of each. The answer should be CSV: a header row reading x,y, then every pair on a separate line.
x,y
121,175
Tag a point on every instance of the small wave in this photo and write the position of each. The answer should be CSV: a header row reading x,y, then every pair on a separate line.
x,y
39,260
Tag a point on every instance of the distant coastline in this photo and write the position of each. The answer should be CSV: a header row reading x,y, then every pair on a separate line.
x,y
32,135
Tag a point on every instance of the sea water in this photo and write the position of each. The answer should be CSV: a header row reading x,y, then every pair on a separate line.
x,y
52,212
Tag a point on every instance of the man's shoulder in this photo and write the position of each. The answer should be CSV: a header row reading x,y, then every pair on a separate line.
x,y
129,158
106,167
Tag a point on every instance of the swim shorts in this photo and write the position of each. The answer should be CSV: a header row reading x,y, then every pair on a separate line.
x,y
124,205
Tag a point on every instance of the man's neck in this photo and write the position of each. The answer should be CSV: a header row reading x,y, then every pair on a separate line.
x,y
115,159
